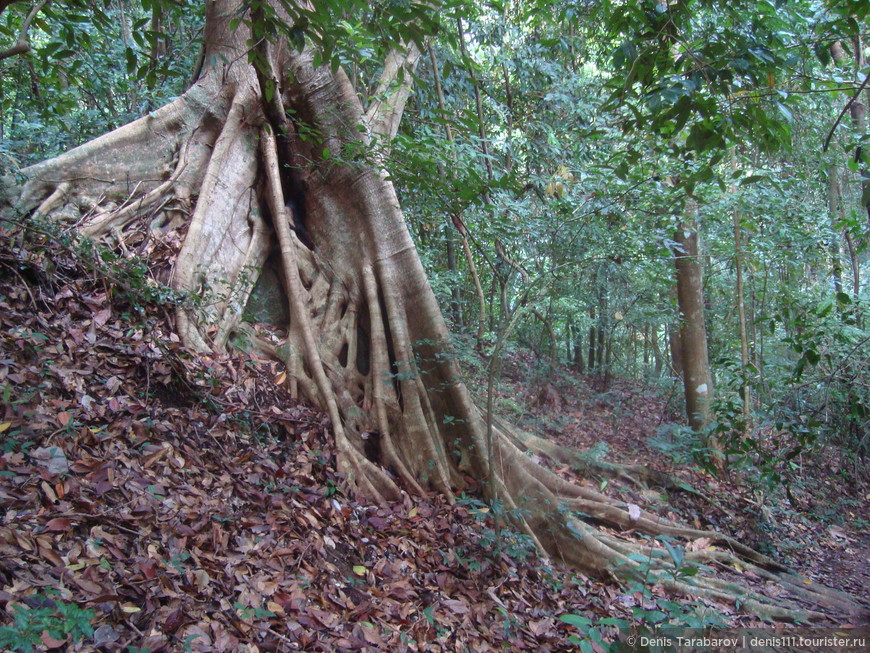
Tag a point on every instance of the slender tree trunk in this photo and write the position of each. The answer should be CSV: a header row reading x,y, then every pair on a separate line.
x,y
657,354
593,339
741,310
858,114
693,332
504,308
125,39
455,291
646,348
579,360
854,262
553,356
478,101
569,341
676,347
456,218
601,346
835,211
158,45
508,160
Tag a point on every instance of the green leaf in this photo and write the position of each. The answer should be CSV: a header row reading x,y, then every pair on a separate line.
x,y
576,620
676,553
614,621
824,308
132,61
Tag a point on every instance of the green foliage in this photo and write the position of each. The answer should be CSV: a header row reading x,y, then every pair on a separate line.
x,y
69,86
705,74
248,613
681,444
131,280
821,393
60,620
495,539
342,32
651,611
591,634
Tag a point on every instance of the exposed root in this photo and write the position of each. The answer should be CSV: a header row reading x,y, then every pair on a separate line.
x,y
379,375
571,510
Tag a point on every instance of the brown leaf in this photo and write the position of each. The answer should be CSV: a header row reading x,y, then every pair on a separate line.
x,y
459,607
88,586
49,492
51,556
58,524
148,569
541,627
101,317
372,636
699,545
173,622
50,642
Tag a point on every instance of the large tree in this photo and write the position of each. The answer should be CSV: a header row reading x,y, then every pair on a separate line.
x,y
267,157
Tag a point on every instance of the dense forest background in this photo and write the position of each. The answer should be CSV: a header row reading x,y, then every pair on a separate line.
x,y
666,202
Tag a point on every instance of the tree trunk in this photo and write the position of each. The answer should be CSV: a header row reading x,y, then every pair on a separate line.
x,y
646,348
854,262
553,349
836,211
221,172
741,310
579,361
455,294
858,114
593,340
693,331
657,354
676,346
456,219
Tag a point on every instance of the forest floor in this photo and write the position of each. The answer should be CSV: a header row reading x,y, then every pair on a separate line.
x,y
823,529
153,500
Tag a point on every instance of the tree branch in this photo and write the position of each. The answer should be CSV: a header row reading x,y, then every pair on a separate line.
x,y
385,113
22,45
843,112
